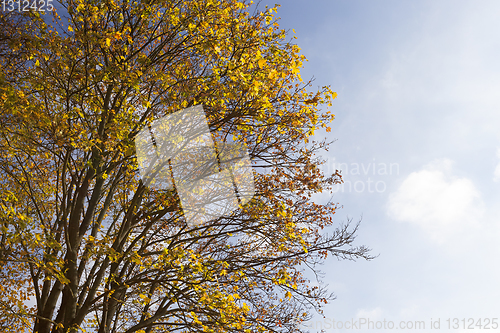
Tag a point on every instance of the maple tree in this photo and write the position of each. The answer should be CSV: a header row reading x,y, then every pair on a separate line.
x,y
85,246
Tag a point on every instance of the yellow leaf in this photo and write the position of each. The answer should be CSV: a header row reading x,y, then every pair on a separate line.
x,y
262,62
108,42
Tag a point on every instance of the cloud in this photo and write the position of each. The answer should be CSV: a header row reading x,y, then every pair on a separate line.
x,y
437,201
496,174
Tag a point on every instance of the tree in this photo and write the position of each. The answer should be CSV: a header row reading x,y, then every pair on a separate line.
x,y
85,245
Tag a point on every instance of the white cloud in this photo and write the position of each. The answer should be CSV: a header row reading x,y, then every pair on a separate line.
x,y
496,174
437,201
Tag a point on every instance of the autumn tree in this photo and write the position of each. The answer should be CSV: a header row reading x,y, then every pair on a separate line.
x,y
85,245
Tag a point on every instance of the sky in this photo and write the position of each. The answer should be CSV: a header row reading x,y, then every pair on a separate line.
x,y
417,141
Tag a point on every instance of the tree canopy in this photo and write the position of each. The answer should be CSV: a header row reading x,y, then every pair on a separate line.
x,y
85,245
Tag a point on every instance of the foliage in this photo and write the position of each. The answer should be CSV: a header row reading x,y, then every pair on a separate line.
x,y
85,246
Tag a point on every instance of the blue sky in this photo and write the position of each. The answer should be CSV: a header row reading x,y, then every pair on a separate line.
x,y
418,88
